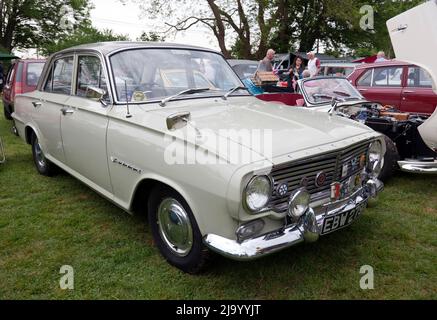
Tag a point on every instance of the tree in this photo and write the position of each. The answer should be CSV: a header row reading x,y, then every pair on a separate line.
x,y
83,34
285,25
151,37
34,23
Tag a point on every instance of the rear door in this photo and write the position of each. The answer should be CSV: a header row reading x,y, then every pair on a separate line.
x,y
47,110
417,95
386,85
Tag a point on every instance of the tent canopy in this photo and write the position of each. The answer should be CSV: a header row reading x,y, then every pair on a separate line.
x,y
7,56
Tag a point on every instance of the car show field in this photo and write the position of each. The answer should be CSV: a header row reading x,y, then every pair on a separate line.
x,y
46,223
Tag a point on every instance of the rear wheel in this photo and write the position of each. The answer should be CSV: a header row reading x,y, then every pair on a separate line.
x,y
7,112
43,165
391,159
175,231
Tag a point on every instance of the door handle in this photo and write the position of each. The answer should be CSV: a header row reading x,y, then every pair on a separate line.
x,y
37,104
408,91
363,89
67,110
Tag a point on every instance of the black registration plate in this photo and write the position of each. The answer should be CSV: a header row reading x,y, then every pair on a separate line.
x,y
341,220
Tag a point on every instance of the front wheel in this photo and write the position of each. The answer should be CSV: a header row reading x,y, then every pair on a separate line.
x,y
391,159
43,165
175,231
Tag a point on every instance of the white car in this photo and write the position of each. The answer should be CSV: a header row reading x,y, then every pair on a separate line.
x,y
103,113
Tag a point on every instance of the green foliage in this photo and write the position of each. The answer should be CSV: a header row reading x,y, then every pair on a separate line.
x,y
36,23
84,34
151,37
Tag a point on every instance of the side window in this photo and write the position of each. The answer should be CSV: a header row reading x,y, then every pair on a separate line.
x,y
89,74
418,77
387,77
366,79
60,77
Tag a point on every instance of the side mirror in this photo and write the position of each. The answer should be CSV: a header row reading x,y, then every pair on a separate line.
x,y
96,94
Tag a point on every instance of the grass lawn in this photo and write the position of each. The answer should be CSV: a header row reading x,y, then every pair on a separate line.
x,y
46,223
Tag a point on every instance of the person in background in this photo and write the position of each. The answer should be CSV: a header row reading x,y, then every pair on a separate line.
x,y
380,57
306,74
1,77
266,63
313,64
296,71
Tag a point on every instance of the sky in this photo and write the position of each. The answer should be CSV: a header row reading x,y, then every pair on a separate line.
x,y
126,19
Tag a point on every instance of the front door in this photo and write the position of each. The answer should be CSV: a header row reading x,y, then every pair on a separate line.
x,y
418,96
84,124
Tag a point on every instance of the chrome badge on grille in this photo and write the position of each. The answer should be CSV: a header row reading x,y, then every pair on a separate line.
x,y
320,179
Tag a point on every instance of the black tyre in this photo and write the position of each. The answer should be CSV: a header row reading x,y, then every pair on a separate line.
x,y
7,112
175,231
391,159
43,165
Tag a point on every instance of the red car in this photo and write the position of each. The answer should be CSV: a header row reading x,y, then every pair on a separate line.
x,y
22,77
396,83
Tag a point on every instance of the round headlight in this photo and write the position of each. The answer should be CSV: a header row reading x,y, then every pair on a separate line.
x,y
257,193
376,158
299,203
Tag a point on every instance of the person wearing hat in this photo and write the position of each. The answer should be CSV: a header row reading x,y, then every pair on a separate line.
x,y
313,64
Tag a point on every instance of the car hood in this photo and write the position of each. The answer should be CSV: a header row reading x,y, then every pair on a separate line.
x,y
289,129
414,38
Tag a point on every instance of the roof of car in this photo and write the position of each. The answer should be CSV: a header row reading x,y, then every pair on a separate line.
x,y
234,62
382,64
106,48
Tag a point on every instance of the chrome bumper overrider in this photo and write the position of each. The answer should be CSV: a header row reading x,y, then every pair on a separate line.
x,y
418,166
307,230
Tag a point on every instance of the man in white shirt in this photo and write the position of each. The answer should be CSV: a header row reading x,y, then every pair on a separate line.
x,y
380,57
313,64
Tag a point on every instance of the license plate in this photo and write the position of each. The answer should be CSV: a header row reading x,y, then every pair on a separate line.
x,y
341,220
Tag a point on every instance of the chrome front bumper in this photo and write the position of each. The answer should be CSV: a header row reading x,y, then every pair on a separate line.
x,y
307,230
418,166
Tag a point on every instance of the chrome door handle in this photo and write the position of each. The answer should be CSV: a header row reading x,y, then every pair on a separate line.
x,y
37,104
66,111
363,89
408,91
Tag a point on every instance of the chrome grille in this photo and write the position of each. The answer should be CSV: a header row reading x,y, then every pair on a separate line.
x,y
331,164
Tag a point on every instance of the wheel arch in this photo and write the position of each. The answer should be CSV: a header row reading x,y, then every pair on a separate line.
x,y
143,191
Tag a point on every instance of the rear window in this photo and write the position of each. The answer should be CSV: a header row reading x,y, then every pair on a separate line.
x,y
34,71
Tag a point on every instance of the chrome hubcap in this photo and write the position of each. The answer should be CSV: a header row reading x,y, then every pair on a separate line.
x,y
175,227
39,155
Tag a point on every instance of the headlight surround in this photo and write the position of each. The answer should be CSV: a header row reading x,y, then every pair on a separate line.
x,y
376,158
299,203
257,193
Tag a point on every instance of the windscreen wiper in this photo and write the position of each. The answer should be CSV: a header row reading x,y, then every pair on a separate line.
x,y
225,97
187,91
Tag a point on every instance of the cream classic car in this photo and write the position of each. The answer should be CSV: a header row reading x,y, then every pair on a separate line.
x,y
103,113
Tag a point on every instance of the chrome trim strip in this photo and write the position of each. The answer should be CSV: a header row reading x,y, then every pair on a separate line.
x,y
418,166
